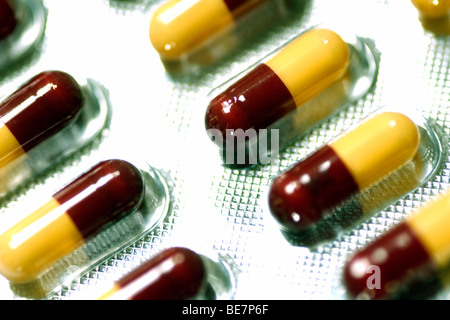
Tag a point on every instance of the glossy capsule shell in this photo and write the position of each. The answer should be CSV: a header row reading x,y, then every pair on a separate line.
x,y
8,19
418,245
302,195
179,26
174,274
432,8
102,195
285,82
40,108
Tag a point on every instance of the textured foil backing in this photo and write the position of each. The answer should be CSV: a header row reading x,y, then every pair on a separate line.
x,y
160,118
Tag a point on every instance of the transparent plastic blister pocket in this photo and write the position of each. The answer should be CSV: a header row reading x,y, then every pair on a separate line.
x,y
31,18
370,200
206,276
220,277
113,237
214,205
216,40
261,144
89,124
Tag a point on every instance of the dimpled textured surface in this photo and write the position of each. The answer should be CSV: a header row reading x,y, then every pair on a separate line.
x,y
161,119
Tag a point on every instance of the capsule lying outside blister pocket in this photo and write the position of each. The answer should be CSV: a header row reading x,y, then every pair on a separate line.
x,y
412,256
287,93
176,273
355,175
106,208
22,25
46,120
190,34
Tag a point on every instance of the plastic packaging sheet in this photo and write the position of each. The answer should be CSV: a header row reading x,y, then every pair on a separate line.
x,y
159,117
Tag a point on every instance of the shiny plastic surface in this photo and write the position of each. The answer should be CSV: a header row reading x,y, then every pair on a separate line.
x,y
190,35
46,144
159,116
410,260
27,35
340,74
175,273
106,208
354,176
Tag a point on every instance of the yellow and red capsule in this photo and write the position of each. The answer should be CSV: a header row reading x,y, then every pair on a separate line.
x,y
417,247
8,19
40,108
174,274
180,26
433,9
293,76
301,196
102,195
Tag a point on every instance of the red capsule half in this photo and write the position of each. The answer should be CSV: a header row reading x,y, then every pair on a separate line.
x,y
300,196
174,274
100,196
413,256
40,108
8,20
296,74
380,270
356,161
104,193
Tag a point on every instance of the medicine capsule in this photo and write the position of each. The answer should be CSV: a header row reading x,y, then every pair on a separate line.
x,y
40,108
293,76
180,26
8,20
432,8
174,274
301,196
103,194
419,245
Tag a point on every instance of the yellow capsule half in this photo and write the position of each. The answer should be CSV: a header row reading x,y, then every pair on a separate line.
x,y
311,63
73,215
10,148
430,225
180,26
298,72
432,8
413,252
301,196
377,147
37,242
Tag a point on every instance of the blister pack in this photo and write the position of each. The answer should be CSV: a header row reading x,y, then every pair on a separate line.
x,y
225,149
